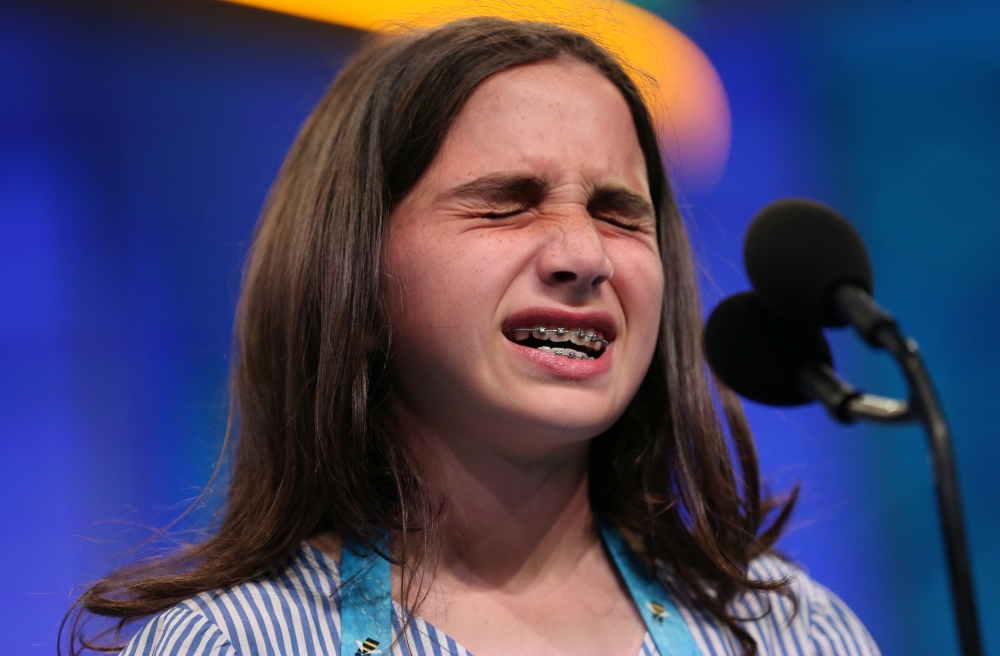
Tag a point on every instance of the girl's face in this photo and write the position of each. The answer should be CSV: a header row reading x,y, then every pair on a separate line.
x,y
535,214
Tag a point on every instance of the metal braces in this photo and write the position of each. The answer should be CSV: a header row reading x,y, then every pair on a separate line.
x,y
566,353
562,331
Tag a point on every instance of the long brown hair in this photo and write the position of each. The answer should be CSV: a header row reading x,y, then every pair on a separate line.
x,y
316,452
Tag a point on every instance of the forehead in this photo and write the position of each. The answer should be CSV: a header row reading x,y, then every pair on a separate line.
x,y
554,119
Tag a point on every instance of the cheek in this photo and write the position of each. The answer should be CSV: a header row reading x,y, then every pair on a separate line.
x,y
415,285
640,290
438,283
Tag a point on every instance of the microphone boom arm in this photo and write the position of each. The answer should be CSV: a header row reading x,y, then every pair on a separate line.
x,y
845,404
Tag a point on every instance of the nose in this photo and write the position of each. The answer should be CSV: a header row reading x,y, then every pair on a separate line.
x,y
574,258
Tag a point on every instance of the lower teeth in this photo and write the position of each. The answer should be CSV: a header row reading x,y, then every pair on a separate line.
x,y
566,353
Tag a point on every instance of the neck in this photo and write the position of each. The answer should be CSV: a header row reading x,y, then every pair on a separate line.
x,y
510,521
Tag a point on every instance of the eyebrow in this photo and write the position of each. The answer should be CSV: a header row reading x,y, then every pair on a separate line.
x,y
621,200
503,188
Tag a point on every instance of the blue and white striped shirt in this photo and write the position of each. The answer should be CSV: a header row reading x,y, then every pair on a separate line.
x,y
296,612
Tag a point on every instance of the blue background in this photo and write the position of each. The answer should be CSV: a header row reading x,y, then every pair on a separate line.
x,y
137,143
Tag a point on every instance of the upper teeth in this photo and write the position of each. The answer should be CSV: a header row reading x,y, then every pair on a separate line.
x,y
577,336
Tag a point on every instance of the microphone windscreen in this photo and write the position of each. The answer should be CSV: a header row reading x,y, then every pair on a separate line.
x,y
797,252
759,354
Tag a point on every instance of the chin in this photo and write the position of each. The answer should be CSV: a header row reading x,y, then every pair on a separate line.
x,y
571,417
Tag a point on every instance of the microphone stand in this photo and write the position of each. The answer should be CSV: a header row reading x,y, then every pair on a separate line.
x,y
845,404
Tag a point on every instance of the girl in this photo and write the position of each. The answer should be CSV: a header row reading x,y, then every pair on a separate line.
x,y
472,408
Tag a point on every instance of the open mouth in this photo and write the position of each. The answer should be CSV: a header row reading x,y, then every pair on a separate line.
x,y
574,343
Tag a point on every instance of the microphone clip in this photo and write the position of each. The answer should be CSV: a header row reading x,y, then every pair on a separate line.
x,y
845,404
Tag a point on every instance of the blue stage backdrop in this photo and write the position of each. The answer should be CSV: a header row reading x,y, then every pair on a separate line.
x,y
137,143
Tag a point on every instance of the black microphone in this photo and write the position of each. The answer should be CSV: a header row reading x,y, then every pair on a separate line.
x,y
760,355
809,265
771,360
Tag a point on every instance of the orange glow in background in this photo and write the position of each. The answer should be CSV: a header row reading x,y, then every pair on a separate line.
x,y
687,97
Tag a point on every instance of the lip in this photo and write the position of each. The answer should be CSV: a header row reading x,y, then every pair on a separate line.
x,y
556,364
531,317
564,367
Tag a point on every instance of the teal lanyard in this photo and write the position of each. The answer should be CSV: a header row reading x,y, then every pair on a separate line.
x,y
669,631
366,601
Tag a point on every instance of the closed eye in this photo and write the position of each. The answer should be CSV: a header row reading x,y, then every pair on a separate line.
x,y
625,223
622,208
501,195
503,214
